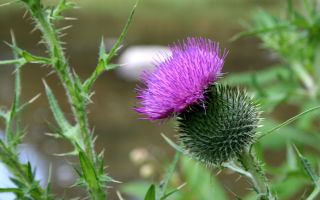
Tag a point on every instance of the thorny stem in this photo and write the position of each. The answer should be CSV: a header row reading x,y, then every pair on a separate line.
x,y
77,103
63,70
258,178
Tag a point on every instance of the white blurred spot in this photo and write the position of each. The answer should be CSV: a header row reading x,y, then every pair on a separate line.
x,y
136,59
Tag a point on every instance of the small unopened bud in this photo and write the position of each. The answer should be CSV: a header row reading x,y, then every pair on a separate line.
x,y
222,128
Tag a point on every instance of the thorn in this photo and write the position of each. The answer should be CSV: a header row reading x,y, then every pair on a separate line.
x,y
65,28
70,18
34,98
25,14
119,195
181,186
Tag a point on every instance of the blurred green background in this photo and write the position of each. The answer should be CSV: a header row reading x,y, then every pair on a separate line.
x,y
157,22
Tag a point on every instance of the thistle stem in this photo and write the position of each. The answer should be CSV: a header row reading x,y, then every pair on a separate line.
x,y
314,193
258,178
77,102
63,70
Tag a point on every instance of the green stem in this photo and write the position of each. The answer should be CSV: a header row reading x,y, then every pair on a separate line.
x,y
258,178
63,70
14,61
77,102
314,193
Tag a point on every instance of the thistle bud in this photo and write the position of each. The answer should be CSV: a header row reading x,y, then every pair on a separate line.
x,y
221,129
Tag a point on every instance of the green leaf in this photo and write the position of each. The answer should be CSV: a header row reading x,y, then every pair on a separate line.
x,y
202,184
62,6
169,194
29,172
286,189
307,167
104,58
260,31
291,159
163,188
56,110
174,145
137,189
14,190
124,32
151,194
88,171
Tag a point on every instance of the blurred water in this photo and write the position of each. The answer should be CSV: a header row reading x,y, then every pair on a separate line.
x,y
111,115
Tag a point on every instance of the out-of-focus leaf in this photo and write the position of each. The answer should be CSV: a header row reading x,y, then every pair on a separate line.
x,y
263,76
172,167
151,194
305,122
285,135
14,190
307,167
136,189
286,188
202,183
291,158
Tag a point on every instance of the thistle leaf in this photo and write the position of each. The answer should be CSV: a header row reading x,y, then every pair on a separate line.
x,y
124,32
151,194
307,167
88,171
56,110
14,190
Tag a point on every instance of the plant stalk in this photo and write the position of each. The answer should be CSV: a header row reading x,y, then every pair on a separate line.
x,y
66,77
258,178
77,102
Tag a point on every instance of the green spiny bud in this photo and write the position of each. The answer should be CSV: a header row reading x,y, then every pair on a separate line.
x,y
221,130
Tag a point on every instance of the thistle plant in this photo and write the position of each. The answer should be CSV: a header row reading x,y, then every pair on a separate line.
x,y
217,123
91,170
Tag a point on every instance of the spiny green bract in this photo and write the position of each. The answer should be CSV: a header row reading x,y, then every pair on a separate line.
x,y
219,132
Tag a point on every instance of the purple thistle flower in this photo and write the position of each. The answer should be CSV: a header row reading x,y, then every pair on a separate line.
x,y
181,79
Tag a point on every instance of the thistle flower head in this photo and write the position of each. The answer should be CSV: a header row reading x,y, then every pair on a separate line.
x,y
181,79
224,129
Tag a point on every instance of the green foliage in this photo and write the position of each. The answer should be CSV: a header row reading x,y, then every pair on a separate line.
x,y
201,184
151,194
92,176
295,40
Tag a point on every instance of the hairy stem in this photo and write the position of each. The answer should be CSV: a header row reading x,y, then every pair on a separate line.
x,y
258,178
77,102
62,68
